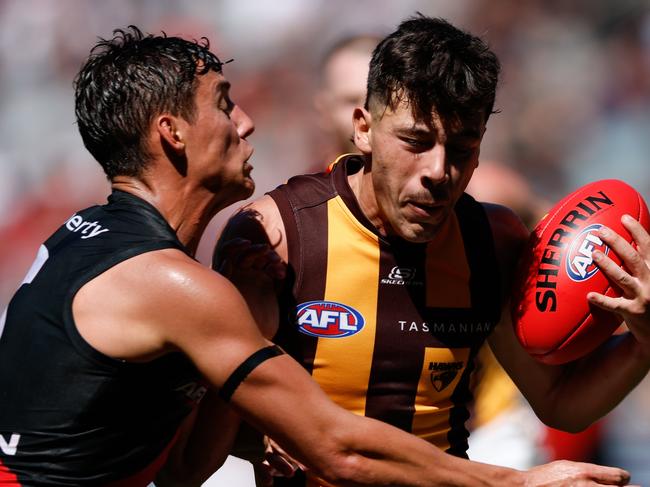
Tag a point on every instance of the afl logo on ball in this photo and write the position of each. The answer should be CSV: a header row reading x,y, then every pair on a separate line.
x,y
328,319
579,263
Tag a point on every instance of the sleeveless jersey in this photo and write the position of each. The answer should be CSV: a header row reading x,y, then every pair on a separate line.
x,y
70,415
388,328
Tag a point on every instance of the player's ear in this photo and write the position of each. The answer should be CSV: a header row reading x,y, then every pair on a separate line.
x,y
169,130
362,122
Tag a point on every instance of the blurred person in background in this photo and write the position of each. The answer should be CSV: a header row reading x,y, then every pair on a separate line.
x,y
390,291
343,75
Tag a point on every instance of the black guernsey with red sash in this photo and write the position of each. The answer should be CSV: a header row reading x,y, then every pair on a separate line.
x,y
70,415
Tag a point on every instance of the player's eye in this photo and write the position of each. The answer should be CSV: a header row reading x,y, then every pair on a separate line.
x,y
416,144
226,106
461,152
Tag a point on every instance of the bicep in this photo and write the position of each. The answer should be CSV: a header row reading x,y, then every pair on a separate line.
x,y
276,395
219,332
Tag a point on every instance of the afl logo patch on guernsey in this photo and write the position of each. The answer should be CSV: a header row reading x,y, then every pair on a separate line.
x,y
579,262
328,319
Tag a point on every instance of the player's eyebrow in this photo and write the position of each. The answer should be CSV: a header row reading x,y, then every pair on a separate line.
x,y
414,131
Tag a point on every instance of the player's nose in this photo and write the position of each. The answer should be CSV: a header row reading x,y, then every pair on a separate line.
x,y
244,123
434,169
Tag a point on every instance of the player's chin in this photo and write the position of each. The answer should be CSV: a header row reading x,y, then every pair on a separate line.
x,y
247,188
419,232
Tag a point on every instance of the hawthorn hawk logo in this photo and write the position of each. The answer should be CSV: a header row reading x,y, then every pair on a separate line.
x,y
443,373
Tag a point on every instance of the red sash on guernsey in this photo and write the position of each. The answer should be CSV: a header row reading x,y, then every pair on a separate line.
x,y
7,479
144,477
141,479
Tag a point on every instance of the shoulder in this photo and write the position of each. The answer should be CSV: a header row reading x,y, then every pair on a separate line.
x,y
258,222
186,283
158,300
171,284
510,236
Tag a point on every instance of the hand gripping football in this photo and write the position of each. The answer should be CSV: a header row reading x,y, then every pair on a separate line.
x,y
553,319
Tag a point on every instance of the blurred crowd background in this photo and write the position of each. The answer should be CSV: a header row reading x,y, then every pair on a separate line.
x,y
574,101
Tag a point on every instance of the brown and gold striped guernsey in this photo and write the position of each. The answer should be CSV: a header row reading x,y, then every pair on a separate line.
x,y
388,328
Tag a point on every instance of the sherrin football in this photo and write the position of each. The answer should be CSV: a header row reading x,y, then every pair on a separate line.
x,y
553,319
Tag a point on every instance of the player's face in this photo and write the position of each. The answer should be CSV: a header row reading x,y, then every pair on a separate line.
x,y
419,169
216,142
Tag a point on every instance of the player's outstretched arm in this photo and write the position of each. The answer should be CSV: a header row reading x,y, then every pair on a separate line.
x,y
571,396
276,395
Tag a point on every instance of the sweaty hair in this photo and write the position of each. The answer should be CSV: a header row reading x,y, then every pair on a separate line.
x,y
433,66
125,83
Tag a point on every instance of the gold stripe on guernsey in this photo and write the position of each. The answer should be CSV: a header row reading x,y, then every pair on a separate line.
x,y
446,257
342,365
441,371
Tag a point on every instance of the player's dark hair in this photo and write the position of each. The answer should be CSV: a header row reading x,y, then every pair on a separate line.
x,y
434,66
125,83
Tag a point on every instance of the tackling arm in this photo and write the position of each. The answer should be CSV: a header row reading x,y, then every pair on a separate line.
x,y
163,301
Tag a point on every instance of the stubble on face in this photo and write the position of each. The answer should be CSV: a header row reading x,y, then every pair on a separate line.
x,y
407,199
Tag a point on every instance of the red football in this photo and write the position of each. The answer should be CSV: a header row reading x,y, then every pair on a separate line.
x,y
553,319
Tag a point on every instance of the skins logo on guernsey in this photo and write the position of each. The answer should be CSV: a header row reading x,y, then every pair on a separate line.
x,y
579,263
328,319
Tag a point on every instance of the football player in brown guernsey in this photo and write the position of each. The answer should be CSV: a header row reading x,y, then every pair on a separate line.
x,y
395,276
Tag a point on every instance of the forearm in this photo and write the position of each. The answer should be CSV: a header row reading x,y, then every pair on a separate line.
x,y
345,449
593,386
402,459
572,396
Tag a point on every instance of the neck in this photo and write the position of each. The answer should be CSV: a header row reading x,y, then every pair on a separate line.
x,y
364,191
186,210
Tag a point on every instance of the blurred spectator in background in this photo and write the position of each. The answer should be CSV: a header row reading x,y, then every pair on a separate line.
x,y
499,183
343,75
